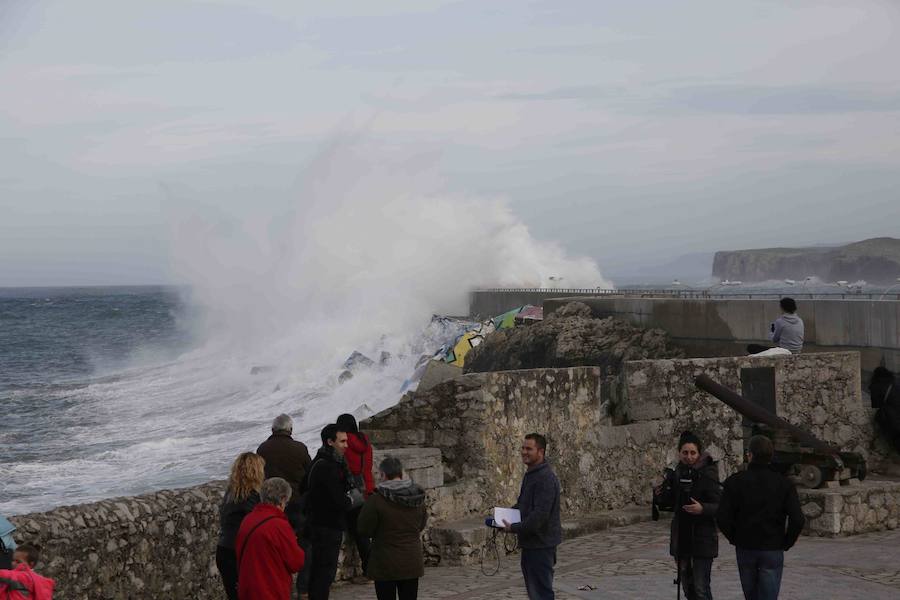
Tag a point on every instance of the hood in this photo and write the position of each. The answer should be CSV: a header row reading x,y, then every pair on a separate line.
x,y
792,319
707,465
358,442
402,491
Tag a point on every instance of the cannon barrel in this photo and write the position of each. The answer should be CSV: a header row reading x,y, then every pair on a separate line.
x,y
758,414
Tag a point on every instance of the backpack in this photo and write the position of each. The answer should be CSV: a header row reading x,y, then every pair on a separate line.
x,y
7,543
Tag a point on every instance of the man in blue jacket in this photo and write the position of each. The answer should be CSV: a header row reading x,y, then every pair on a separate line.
x,y
539,530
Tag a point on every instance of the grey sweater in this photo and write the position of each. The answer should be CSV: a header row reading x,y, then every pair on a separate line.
x,y
787,332
539,507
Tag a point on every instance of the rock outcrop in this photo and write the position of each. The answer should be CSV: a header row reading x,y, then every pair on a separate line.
x,y
876,260
569,337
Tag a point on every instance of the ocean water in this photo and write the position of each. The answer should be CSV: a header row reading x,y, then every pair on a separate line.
x,y
108,392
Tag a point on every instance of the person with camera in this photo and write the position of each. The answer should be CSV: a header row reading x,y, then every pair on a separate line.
x,y
692,491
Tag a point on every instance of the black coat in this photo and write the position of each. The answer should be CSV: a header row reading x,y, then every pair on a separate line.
x,y
231,514
691,535
538,506
286,458
755,505
328,483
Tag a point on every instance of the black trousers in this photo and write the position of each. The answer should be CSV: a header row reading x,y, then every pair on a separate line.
x,y
226,562
363,544
295,517
402,589
326,548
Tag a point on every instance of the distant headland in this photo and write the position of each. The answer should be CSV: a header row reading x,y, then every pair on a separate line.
x,y
875,260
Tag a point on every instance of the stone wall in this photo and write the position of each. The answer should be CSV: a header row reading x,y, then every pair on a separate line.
x,y
162,545
848,510
608,442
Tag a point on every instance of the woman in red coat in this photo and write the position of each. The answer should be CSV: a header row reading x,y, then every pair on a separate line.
x,y
266,545
359,461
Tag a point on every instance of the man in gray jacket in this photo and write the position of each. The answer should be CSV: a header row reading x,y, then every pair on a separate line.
x,y
539,531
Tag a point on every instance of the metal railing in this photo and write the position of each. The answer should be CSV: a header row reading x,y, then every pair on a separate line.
x,y
704,294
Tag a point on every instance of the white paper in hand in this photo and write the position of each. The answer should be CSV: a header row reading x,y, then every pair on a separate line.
x,y
510,515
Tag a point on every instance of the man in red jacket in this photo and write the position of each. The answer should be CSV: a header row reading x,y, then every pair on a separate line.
x,y
22,583
266,546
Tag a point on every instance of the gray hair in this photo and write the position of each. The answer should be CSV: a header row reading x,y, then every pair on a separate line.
x,y
275,490
283,423
391,467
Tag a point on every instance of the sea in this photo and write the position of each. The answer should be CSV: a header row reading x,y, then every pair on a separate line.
x,y
111,391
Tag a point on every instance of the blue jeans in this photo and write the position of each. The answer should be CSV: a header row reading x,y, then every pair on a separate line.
x,y
760,572
537,568
695,577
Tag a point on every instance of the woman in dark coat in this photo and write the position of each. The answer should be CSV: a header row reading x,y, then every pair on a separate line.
x,y
247,474
358,456
693,491
394,516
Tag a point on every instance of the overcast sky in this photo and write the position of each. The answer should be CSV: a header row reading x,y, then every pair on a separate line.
x,y
630,132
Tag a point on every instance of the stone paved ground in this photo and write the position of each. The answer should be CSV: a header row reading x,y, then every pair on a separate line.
x,y
632,562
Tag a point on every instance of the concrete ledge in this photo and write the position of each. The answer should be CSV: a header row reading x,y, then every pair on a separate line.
x,y
872,505
463,542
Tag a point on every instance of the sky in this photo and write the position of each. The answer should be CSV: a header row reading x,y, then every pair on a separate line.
x,y
628,132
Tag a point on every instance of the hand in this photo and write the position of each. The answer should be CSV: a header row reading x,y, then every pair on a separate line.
x,y
695,508
507,526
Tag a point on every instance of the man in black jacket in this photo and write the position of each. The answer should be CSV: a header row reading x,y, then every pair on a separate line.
x,y
331,496
755,504
539,530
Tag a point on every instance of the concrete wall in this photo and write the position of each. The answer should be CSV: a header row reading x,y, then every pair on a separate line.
x,y
716,327
160,545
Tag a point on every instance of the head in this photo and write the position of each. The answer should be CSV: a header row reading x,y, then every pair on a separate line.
x,y
334,436
391,468
534,449
26,554
275,491
788,305
283,424
689,449
347,422
247,474
760,450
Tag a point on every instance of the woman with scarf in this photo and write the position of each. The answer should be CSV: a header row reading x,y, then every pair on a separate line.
x,y
693,491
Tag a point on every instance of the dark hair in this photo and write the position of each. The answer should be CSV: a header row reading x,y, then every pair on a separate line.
x,y
688,437
539,440
761,448
391,467
788,305
347,422
32,552
329,433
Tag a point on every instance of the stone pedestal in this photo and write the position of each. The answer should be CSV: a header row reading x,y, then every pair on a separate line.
x,y
870,505
422,465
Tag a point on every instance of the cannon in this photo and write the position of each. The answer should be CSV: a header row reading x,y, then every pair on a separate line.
x,y
807,460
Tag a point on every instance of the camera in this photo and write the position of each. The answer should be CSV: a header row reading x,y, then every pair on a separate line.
x,y
676,488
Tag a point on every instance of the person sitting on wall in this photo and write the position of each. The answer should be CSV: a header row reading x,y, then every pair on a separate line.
x,y
885,394
267,549
692,492
786,331
21,582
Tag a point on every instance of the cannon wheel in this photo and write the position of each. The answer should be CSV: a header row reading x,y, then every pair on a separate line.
x,y
810,476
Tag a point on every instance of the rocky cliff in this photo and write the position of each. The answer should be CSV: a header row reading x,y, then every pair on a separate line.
x,y
876,260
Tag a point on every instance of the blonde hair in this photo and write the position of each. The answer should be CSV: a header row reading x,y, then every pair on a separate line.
x,y
247,475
